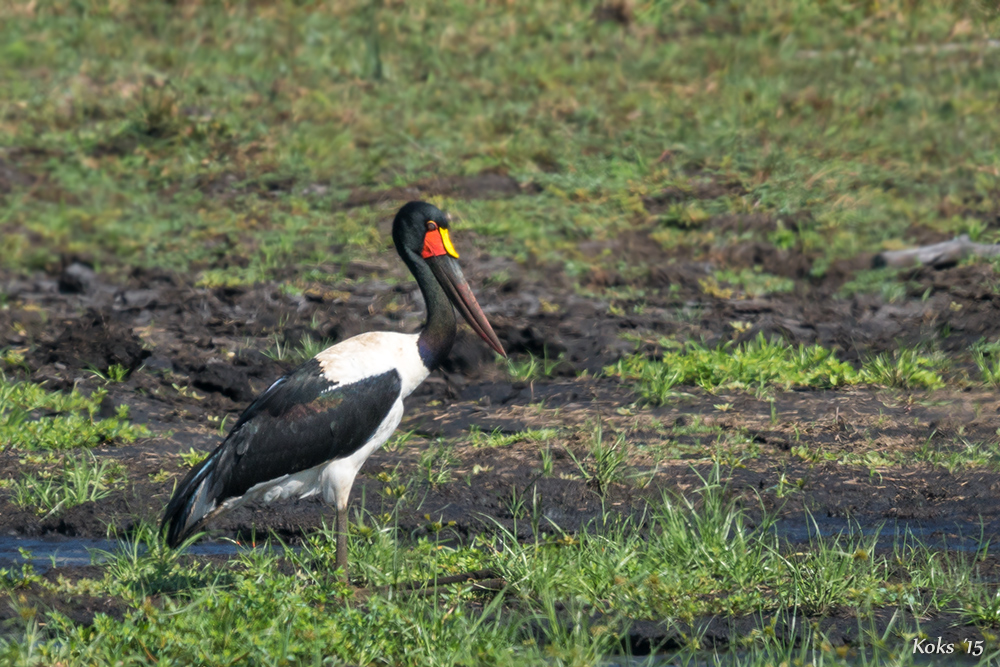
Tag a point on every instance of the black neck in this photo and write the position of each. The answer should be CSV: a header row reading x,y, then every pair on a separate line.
x,y
438,333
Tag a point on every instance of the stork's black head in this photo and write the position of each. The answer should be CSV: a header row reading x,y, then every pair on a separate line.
x,y
421,234
411,225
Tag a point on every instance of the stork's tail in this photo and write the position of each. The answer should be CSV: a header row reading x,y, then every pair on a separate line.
x,y
192,503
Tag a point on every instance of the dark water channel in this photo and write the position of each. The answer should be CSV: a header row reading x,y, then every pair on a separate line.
x,y
937,536
46,552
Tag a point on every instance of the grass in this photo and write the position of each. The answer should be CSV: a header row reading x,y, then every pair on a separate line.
x,y
903,369
159,128
748,283
568,597
115,373
78,480
605,464
32,418
192,457
987,358
530,368
883,282
760,365
305,350
755,366
436,464
498,438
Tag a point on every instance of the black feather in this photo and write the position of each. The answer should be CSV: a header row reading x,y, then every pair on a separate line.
x,y
300,422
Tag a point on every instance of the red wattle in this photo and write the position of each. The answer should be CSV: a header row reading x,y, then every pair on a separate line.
x,y
433,245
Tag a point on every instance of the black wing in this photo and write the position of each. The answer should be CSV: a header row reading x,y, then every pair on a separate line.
x,y
300,422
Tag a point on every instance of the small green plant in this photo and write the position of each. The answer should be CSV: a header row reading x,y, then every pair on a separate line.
x,y
752,283
310,347
605,464
903,369
517,506
279,350
80,479
159,476
786,486
221,421
987,358
192,457
13,357
498,438
307,348
548,461
68,421
399,440
115,373
754,367
883,282
531,368
989,368
435,465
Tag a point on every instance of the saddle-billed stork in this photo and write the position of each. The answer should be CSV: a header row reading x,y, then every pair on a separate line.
x,y
311,431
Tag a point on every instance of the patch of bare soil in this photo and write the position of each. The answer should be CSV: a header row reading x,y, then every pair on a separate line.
x,y
947,309
11,177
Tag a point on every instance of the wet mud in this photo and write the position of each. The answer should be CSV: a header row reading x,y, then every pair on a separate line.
x,y
195,356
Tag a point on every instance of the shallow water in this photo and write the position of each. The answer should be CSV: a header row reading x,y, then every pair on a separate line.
x,y
934,535
46,552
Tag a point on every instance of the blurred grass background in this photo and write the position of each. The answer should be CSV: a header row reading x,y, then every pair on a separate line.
x,y
222,138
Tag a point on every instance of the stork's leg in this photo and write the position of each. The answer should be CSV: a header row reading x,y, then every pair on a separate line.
x,y
342,540
336,482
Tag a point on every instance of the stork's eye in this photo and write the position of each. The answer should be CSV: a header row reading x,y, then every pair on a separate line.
x,y
431,226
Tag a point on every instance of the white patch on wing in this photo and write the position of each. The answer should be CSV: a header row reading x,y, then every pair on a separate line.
x,y
374,353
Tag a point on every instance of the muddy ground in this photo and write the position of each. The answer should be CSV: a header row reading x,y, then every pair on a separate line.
x,y
196,356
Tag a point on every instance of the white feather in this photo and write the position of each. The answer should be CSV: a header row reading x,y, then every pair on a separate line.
x,y
372,354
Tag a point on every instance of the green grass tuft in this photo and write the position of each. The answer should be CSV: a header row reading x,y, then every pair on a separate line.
x,y
80,479
755,366
903,369
33,418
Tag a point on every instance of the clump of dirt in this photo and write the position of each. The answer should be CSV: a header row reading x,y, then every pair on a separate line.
x,y
93,342
617,11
